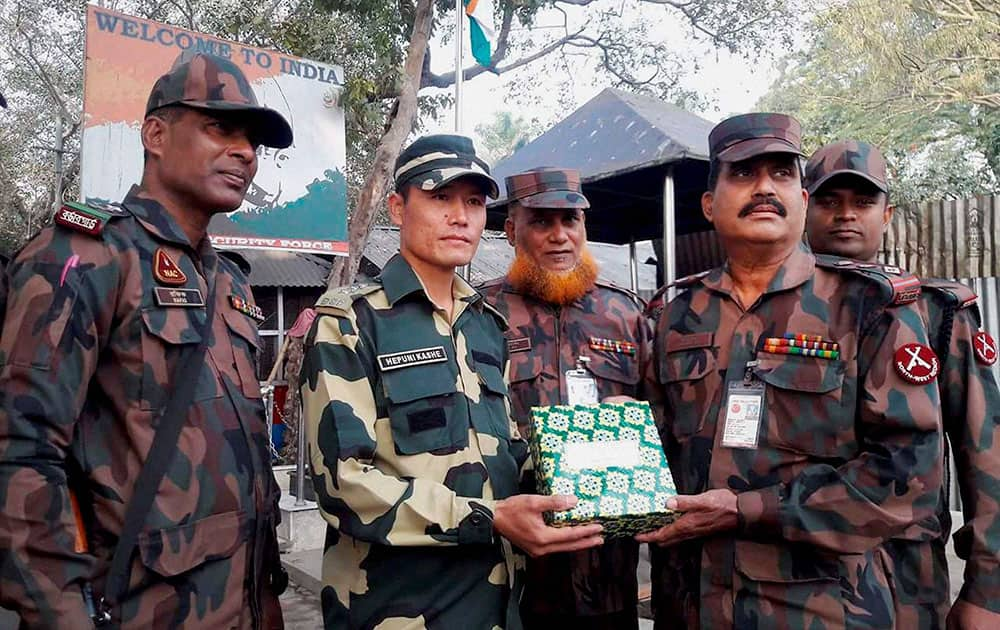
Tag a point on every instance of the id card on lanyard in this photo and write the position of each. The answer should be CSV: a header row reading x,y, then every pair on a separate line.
x,y
581,388
744,404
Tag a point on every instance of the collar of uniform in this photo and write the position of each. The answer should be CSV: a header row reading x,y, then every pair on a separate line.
x,y
399,280
795,271
507,287
154,217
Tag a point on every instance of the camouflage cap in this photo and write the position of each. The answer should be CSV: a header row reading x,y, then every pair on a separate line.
x,y
433,161
748,135
845,157
547,187
204,81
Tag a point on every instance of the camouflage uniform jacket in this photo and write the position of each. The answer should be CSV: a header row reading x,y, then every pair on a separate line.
x,y
970,410
544,342
848,453
86,357
411,444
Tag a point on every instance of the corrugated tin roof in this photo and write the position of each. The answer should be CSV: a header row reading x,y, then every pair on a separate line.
x,y
613,133
495,254
286,269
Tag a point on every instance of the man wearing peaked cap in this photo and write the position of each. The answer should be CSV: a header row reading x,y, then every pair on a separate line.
x,y
123,325
849,211
559,313
798,408
416,462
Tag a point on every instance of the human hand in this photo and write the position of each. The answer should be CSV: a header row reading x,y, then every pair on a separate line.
x,y
618,399
704,514
519,520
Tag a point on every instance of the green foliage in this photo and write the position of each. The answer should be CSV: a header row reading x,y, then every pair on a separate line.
x,y
506,133
908,78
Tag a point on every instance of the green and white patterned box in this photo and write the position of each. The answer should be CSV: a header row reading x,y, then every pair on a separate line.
x,y
610,457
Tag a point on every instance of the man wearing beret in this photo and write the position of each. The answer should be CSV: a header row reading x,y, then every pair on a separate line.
x,y
415,459
118,314
799,412
562,320
849,210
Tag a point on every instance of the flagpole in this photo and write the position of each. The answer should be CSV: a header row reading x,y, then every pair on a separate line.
x,y
466,270
459,27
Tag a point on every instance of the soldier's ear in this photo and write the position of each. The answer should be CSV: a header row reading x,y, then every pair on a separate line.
x,y
396,203
706,205
887,214
510,230
154,135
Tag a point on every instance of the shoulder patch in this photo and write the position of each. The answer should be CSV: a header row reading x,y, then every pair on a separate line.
x,y
904,286
341,298
86,218
638,301
963,296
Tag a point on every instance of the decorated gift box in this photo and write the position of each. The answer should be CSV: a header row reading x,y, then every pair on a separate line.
x,y
609,456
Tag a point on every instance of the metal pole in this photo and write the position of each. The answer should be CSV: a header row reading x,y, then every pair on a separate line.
x,y
466,270
669,233
459,27
633,267
58,184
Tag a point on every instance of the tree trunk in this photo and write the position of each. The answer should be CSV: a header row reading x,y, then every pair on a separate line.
x,y
376,186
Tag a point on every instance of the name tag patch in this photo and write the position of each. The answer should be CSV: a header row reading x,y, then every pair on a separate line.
x,y
178,297
407,358
518,344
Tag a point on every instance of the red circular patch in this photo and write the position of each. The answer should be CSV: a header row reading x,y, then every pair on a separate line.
x,y
985,347
917,363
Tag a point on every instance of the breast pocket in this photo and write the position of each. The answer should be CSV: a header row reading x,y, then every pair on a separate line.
x,y
166,334
426,410
684,376
617,374
493,400
246,350
805,411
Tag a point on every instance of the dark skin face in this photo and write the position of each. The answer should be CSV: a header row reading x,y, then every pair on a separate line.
x,y
759,201
553,238
847,217
199,163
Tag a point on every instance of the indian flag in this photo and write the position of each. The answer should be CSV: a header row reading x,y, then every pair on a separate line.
x,y
480,14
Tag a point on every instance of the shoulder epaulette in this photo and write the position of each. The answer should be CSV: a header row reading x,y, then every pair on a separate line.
x,y
905,286
961,294
638,301
504,324
238,259
87,218
341,298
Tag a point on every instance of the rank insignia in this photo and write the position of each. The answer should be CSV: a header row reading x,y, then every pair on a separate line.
x,y
905,290
518,344
166,271
80,218
916,363
802,345
250,310
613,345
985,347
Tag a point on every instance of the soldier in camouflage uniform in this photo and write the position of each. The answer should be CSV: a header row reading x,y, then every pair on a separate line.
x,y
102,304
848,212
559,312
415,459
799,407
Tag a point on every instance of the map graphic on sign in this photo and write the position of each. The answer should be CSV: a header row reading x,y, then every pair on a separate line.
x,y
298,200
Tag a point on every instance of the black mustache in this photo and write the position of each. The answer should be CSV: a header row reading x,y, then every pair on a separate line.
x,y
770,201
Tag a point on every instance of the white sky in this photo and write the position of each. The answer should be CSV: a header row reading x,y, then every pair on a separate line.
x,y
731,83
